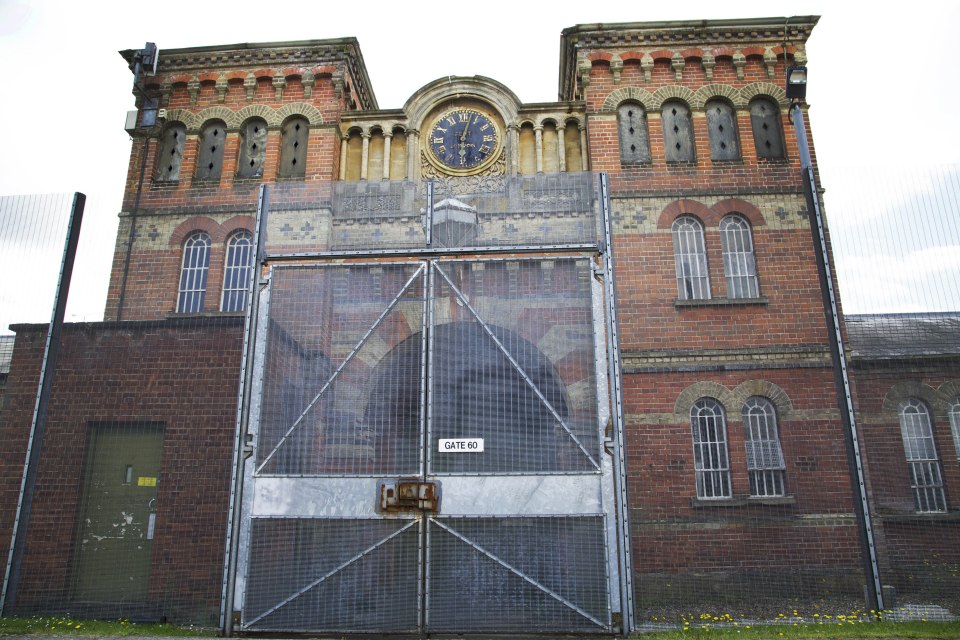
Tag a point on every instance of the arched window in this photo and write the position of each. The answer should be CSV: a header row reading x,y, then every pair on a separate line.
x,y
293,147
693,282
722,128
170,154
767,134
633,134
739,264
253,146
236,271
921,453
210,158
193,273
955,425
710,449
677,132
764,456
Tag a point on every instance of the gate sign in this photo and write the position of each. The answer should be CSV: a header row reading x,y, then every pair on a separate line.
x,y
461,445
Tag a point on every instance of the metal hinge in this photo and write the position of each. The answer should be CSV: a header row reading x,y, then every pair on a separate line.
x,y
408,494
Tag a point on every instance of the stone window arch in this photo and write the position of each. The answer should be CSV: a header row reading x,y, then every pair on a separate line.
x,y
633,133
170,154
213,137
765,462
722,130
678,140
193,273
711,457
920,450
253,147
767,130
689,251
236,271
739,263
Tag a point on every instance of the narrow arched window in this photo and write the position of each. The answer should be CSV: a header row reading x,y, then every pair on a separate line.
x,y
293,147
693,281
922,460
236,271
213,135
764,455
678,143
253,147
739,264
633,134
767,133
722,129
710,455
955,425
193,273
170,154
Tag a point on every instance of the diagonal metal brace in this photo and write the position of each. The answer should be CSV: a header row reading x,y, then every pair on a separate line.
x,y
330,573
520,574
343,365
516,365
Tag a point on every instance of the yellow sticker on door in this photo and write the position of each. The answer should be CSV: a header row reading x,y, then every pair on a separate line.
x,y
145,481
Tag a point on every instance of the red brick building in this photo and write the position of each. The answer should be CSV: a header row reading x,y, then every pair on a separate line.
x,y
394,316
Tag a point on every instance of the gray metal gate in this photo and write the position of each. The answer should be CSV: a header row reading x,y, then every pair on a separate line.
x,y
432,449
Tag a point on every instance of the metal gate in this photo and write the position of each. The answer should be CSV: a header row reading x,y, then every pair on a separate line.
x,y
429,456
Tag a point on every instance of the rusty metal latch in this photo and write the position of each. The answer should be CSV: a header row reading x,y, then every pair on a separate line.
x,y
408,494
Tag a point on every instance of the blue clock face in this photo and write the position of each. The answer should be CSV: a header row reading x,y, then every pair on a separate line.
x,y
463,140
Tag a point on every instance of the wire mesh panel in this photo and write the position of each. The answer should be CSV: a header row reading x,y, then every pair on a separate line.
x,y
329,404
343,575
512,363
517,574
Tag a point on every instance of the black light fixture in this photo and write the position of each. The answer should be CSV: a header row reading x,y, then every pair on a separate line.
x,y
796,83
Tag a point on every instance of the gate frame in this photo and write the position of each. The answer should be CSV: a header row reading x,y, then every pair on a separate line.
x,y
614,446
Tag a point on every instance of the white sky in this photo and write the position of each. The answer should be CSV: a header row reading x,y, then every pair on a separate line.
x,y
881,78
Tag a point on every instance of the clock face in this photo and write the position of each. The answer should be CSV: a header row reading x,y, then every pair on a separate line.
x,y
464,140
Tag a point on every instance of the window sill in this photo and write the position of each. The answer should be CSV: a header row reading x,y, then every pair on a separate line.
x,y
720,302
206,314
741,501
913,517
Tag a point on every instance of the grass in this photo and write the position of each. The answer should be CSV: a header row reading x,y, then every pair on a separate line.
x,y
927,630
67,626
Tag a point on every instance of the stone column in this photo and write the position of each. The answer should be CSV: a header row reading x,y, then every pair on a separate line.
x,y
413,155
364,155
538,132
562,148
583,148
387,141
513,152
343,158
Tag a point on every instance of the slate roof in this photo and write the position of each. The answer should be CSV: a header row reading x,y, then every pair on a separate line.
x,y
903,335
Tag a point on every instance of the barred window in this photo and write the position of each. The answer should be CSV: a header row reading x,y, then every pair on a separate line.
x,y
634,139
955,425
710,449
193,273
293,147
739,264
767,134
236,271
764,455
722,129
689,250
678,144
921,452
170,154
210,158
253,147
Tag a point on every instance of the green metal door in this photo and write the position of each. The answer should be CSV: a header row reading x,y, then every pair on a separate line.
x,y
111,561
